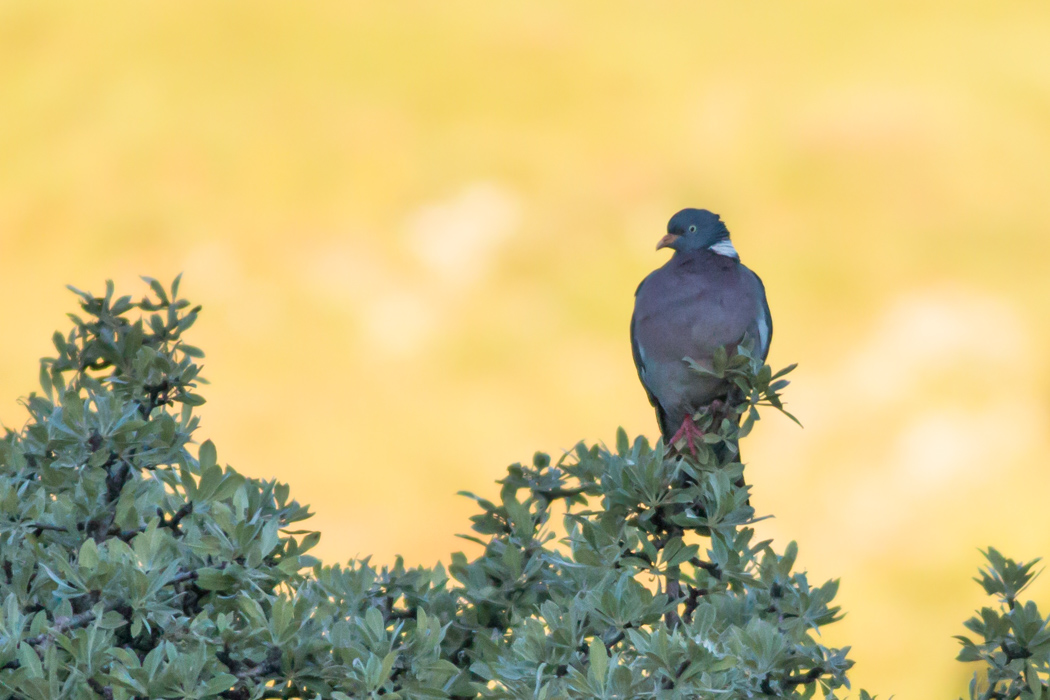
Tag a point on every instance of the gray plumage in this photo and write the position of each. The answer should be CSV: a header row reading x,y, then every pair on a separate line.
x,y
701,299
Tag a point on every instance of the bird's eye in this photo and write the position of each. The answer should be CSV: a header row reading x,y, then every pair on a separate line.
x,y
692,229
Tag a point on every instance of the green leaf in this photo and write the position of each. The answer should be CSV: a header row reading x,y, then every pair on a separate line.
x,y
212,579
207,455
190,350
1035,685
29,661
684,554
158,289
45,380
388,666
599,663
220,683
309,542
88,556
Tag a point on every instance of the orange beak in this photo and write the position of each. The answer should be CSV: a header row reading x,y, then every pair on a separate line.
x,y
667,241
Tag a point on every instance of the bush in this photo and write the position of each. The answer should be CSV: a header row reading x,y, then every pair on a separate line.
x,y
135,566
1015,650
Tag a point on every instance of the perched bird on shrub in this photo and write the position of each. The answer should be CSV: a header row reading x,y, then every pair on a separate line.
x,y
703,298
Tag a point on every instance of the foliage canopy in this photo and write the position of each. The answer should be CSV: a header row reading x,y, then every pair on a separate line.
x,y
136,566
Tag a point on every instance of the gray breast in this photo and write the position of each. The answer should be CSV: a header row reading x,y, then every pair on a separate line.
x,y
691,306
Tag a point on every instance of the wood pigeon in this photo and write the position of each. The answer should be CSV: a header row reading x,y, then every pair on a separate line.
x,y
701,299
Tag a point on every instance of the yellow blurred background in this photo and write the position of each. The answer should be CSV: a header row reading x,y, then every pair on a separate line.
x,y
416,230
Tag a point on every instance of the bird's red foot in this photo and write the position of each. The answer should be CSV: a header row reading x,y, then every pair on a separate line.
x,y
688,432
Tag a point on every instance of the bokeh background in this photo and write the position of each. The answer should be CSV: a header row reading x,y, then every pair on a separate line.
x,y
416,230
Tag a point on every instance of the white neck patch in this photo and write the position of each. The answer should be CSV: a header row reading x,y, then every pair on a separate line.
x,y
725,247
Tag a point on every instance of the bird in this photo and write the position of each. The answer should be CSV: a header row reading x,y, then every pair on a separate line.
x,y
701,299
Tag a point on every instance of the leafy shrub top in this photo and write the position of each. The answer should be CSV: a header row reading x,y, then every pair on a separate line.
x,y
134,566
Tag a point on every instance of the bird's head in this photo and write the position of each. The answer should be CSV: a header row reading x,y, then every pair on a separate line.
x,y
695,229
